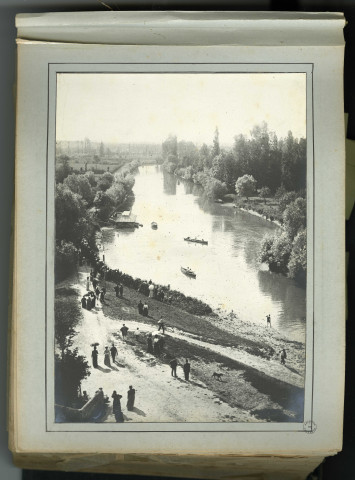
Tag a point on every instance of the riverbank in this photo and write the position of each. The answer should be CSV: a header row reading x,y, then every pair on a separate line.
x,y
254,386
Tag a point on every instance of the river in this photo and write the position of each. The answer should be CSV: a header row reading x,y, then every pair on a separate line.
x,y
229,274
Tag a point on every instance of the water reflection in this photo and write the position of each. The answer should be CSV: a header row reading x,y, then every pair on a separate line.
x,y
228,272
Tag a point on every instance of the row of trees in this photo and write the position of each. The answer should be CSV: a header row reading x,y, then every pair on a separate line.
x,y
271,161
260,163
81,201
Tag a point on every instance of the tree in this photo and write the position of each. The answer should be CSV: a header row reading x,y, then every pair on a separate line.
x,y
105,181
91,177
215,188
297,265
104,204
63,169
117,193
264,192
80,185
69,372
65,260
275,252
70,215
245,186
169,147
216,148
295,217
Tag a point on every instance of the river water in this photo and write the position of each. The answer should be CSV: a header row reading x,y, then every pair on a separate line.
x,y
229,275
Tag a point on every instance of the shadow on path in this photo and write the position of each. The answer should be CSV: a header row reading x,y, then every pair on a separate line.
x,y
105,370
139,412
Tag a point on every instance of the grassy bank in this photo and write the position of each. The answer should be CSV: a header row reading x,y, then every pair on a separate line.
x,y
241,386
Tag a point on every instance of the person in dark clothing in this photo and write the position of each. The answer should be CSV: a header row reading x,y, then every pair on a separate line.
x,y
88,302
114,352
117,289
283,356
124,331
149,343
93,300
94,283
187,367
83,302
94,355
140,307
268,320
102,296
116,407
173,365
131,395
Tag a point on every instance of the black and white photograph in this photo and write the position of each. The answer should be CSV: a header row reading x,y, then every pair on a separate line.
x,y
180,273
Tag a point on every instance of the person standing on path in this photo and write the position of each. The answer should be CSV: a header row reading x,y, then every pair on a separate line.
x,y
161,325
124,331
83,302
87,283
140,307
145,309
94,355
131,395
116,289
116,407
187,368
173,365
107,361
268,320
283,356
114,352
151,290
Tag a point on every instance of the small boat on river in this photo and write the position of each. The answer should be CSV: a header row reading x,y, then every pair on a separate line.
x,y
196,240
187,271
154,225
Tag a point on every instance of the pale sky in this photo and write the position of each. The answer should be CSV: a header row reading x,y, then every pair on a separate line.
x,y
148,107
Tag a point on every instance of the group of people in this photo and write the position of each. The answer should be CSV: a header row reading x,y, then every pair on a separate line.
x,y
88,301
116,403
118,288
186,367
151,290
108,354
143,308
155,345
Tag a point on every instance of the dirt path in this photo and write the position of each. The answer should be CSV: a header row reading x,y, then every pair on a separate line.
x,y
253,387
159,396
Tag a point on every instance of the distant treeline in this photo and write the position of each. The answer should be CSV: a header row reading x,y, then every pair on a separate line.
x,y
82,201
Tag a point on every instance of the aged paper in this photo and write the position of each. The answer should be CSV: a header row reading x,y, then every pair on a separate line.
x,y
272,343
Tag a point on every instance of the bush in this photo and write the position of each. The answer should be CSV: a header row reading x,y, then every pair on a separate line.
x,y
275,252
66,256
297,264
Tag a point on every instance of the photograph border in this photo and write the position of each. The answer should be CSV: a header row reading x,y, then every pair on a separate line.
x,y
308,425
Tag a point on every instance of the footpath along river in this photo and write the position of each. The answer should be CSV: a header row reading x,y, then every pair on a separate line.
x,y
229,275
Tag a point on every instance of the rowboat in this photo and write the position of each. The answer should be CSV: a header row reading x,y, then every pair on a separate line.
x,y
187,271
154,225
196,240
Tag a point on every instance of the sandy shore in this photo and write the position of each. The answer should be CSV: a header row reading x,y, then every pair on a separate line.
x,y
254,385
